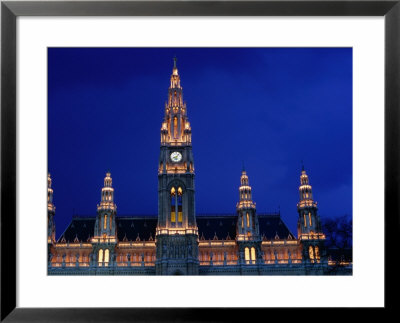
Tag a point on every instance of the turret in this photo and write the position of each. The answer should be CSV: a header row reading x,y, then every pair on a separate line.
x,y
51,210
105,235
247,225
309,224
247,228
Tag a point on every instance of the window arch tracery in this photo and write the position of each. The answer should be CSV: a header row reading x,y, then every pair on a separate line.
x,y
176,194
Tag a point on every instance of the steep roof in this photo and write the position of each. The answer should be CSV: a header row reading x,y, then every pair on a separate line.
x,y
211,226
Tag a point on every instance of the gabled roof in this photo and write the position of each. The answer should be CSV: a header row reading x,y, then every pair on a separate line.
x,y
211,226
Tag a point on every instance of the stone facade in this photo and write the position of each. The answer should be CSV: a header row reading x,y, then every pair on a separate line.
x,y
179,242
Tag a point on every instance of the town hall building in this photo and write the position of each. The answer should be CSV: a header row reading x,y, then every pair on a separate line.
x,y
178,241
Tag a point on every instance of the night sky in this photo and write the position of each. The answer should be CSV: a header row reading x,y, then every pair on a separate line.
x,y
270,108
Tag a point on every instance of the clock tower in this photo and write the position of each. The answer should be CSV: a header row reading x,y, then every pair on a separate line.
x,y
177,233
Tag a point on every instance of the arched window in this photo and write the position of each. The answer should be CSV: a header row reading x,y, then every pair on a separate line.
x,y
305,221
317,253
105,222
242,222
311,252
247,220
253,255
309,217
175,127
110,222
173,205
176,205
247,255
100,257
106,257
180,192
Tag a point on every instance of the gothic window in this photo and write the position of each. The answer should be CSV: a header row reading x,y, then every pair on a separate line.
x,y
110,222
175,127
309,217
247,255
179,204
173,205
253,255
105,222
247,220
242,222
305,221
100,257
176,205
317,253
311,252
106,256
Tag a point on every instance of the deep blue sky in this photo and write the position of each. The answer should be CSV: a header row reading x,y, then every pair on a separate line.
x,y
268,107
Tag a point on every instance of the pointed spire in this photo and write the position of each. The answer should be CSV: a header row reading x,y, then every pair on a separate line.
x,y
305,189
48,180
108,180
175,127
51,210
175,69
50,205
107,194
245,196
302,165
243,168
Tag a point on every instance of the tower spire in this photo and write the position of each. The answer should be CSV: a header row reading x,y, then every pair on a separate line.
x,y
305,190
51,210
247,227
176,225
309,224
175,129
107,194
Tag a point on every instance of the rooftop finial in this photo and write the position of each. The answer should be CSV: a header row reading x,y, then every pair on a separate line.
x,y
243,169
302,165
175,59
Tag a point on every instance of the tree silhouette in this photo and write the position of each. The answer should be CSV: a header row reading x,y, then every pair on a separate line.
x,y
339,240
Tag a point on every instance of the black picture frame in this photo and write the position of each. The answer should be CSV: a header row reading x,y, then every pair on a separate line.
x,y
10,10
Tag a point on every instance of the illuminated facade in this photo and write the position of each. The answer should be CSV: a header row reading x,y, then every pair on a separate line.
x,y
178,241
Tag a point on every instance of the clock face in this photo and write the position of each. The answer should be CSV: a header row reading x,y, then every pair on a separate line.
x,y
176,156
